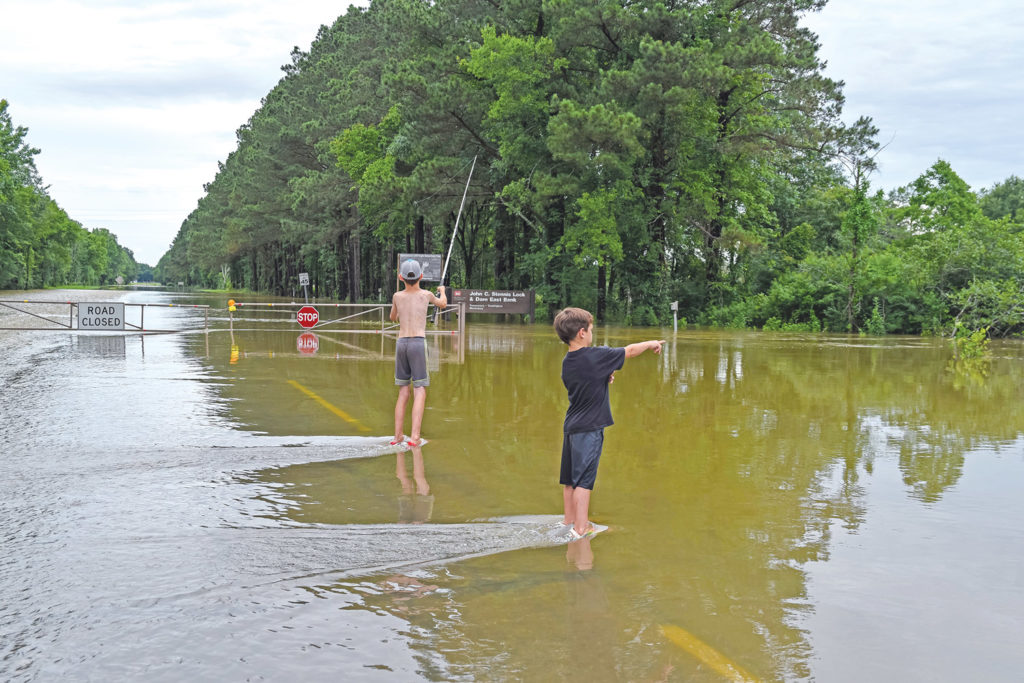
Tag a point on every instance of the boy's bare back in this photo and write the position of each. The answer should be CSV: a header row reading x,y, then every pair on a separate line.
x,y
409,308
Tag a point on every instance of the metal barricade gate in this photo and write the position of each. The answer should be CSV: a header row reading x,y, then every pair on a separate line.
x,y
368,312
56,320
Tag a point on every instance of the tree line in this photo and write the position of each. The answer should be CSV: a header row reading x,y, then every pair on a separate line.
x,y
628,155
40,245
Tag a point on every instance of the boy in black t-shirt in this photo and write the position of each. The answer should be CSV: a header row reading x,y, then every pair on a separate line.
x,y
587,371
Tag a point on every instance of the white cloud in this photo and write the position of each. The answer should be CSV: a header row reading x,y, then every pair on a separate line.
x,y
940,78
133,103
131,37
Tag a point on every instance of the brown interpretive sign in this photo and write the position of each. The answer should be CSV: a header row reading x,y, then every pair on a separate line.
x,y
496,300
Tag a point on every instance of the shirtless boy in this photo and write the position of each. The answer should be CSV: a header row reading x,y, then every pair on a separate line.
x,y
409,308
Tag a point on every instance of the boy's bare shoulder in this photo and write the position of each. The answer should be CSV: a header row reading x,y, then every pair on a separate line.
x,y
403,294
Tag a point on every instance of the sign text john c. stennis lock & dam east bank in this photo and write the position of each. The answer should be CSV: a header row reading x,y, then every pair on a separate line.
x,y
495,300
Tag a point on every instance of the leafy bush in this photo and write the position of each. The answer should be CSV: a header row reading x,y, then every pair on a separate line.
x,y
969,344
876,323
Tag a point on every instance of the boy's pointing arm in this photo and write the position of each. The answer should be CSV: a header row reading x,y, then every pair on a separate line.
x,y
634,350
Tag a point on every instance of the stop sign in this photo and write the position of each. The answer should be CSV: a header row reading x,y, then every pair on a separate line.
x,y
307,343
307,316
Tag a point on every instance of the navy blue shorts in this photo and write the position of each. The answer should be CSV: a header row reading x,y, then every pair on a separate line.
x,y
580,454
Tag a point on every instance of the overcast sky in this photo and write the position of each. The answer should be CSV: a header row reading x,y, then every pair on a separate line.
x,y
940,78
133,102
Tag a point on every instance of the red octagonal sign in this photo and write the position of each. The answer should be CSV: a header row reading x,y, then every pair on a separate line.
x,y
307,316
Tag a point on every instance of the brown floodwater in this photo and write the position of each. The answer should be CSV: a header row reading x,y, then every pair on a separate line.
x,y
221,503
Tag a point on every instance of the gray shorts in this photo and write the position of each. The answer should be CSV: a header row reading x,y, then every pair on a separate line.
x,y
411,362
581,453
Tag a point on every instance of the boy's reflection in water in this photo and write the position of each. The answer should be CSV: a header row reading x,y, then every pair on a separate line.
x,y
593,625
415,505
580,555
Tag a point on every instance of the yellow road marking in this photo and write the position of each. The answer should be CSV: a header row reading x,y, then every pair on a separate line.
x,y
707,654
331,407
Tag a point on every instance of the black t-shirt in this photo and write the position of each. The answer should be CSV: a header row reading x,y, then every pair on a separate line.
x,y
585,374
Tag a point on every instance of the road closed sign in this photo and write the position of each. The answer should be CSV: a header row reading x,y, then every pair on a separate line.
x,y
307,316
108,316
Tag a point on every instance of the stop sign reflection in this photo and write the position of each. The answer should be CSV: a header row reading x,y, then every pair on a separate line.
x,y
307,343
307,316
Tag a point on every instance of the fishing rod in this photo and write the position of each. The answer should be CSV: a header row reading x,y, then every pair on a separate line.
x,y
457,217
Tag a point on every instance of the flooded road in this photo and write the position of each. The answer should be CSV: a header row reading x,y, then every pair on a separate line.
x,y
223,505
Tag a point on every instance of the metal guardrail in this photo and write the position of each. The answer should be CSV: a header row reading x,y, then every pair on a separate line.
x,y
74,315
384,326
56,321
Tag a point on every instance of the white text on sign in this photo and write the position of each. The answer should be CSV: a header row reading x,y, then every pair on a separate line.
x,y
109,316
496,301
307,316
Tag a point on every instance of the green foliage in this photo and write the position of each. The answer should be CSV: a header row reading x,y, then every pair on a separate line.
x,y
1004,200
642,315
876,323
994,305
40,246
637,140
736,315
972,359
802,296
516,72
797,243
594,240
940,200
776,325
627,155
969,344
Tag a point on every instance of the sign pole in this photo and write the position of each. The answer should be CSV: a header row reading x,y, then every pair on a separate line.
x,y
457,217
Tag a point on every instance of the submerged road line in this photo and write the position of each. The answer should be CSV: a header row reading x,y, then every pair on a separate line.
x,y
707,654
331,407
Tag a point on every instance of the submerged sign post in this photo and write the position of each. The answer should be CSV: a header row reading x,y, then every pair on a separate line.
x,y
109,316
497,301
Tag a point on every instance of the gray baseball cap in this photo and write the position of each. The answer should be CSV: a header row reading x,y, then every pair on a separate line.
x,y
411,270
